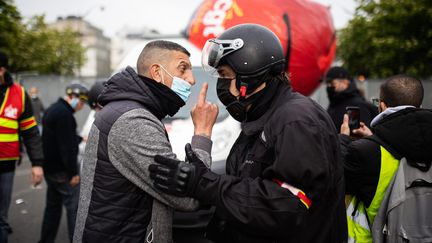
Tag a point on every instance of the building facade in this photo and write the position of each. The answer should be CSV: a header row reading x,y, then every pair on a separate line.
x,y
98,46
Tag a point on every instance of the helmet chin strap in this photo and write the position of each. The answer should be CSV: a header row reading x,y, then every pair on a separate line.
x,y
248,84
243,90
238,109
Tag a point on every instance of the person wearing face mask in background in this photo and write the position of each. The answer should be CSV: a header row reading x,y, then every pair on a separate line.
x,y
118,202
342,92
60,147
284,179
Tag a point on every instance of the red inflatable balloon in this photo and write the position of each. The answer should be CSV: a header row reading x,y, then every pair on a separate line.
x,y
305,29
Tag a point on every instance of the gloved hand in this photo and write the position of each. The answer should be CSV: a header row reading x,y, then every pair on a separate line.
x,y
177,177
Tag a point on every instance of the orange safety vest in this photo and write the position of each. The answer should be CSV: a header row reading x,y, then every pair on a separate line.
x,y
10,111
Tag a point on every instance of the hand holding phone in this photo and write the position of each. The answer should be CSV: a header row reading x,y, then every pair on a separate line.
x,y
354,117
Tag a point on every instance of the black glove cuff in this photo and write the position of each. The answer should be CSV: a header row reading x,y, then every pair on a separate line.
x,y
195,176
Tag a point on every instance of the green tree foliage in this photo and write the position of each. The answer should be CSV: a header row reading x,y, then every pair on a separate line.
x,y
33,46
9,24
388,37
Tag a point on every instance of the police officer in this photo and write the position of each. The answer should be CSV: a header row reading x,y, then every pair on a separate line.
x,y
284,179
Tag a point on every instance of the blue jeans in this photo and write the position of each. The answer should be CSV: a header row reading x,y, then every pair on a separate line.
x,y
59,193
6,185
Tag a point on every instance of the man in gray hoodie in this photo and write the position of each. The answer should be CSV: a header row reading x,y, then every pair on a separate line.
x,y
118,202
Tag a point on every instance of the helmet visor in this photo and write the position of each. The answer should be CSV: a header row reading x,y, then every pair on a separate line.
x,y
213,52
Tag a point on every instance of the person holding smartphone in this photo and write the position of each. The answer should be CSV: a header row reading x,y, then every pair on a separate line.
x,y
343,92
402,129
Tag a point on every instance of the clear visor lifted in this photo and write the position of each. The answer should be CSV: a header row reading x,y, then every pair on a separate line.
x,y
213,52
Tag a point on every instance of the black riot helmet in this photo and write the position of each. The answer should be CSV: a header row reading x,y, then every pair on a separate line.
x,y
95,91
78,90
253,51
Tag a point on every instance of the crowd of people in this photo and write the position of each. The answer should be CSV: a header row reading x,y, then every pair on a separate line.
x,y
296,173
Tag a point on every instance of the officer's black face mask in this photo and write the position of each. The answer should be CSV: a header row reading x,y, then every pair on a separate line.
x,y
222,91
235,107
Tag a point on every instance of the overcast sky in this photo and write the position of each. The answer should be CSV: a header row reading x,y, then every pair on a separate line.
x,y
167,16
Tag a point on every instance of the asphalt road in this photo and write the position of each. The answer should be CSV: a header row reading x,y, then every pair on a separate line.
x,y
27,206
26,210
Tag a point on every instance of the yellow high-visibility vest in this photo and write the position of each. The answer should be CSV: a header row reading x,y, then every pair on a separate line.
x,y
10,111
359,224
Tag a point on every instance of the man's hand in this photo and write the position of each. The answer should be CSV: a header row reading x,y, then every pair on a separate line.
x,y
362,131
36,175
177,177
204,114
74,181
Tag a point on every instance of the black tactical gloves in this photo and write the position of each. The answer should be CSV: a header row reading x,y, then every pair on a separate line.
x,y
177,177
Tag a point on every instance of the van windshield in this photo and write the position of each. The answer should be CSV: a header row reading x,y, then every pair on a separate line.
x,y
201,77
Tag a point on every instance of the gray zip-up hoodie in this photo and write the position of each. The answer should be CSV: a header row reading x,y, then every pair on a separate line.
x,y
118,202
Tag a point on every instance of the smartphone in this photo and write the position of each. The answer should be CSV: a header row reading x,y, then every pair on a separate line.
x,y
354,117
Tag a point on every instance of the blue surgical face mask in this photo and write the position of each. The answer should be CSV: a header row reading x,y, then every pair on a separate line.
x,y
74,103
180,86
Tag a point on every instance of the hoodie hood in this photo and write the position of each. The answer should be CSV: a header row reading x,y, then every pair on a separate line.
x,y
128,85
409,132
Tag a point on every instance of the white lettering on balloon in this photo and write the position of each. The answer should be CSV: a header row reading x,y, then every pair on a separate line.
x,y
213,19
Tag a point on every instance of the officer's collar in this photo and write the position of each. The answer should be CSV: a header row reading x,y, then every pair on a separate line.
x,y
254,127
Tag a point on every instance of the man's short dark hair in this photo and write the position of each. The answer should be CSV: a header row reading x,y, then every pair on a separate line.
x,y
156,51
402,90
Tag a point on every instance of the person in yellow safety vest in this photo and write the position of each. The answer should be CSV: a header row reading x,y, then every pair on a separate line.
x,y
16,120
402,129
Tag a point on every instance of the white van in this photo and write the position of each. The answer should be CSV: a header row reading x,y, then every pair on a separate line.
x,y
180,126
